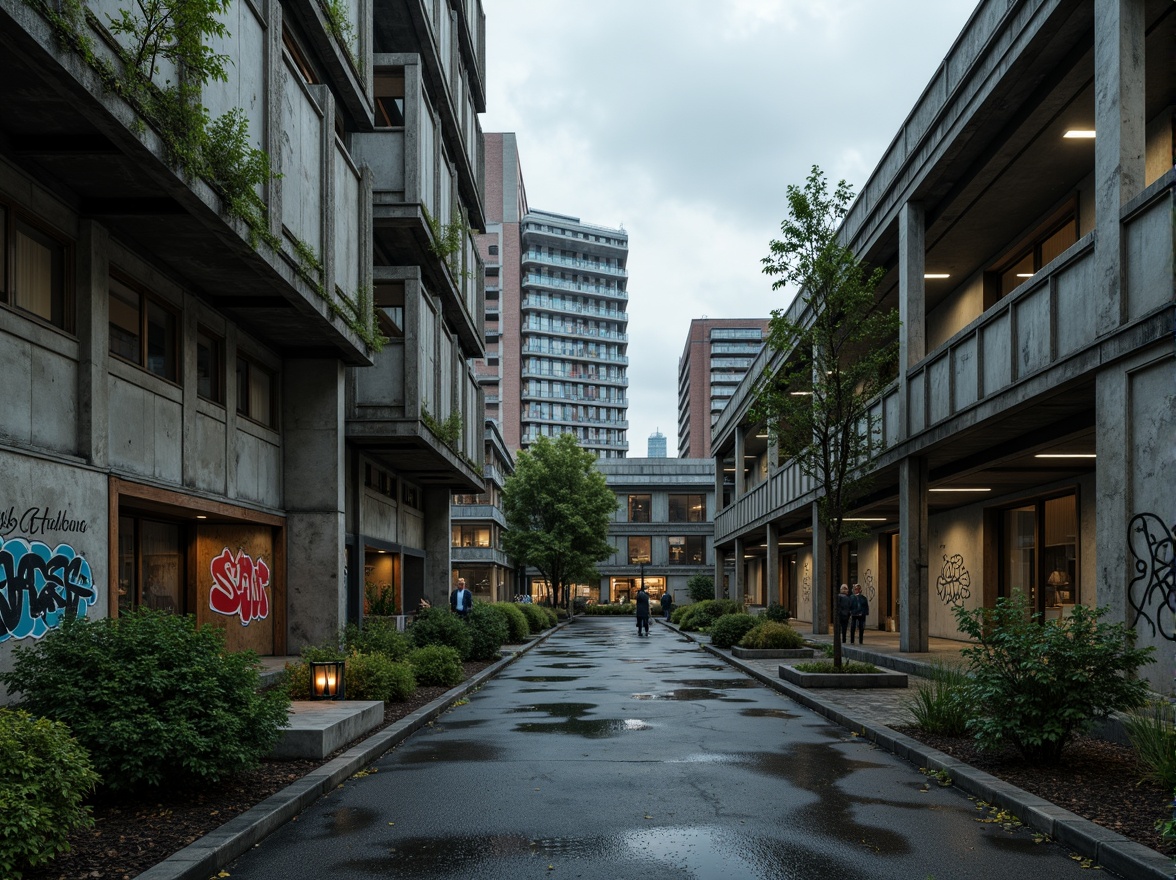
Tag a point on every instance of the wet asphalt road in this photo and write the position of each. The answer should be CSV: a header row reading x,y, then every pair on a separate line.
x,y
603,755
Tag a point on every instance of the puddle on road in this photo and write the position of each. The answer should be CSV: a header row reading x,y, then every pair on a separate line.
x,y
548,677
349,820
589,728
570,665
767,713
558,710
427,751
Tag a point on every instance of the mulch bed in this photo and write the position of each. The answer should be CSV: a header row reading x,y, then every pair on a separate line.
x,y
1098,780
131,834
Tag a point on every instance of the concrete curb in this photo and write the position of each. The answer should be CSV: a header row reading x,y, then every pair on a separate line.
x,y
1110,850
202,859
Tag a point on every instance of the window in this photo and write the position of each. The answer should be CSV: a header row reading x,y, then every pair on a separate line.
x,y
298,58
639,506
150,564
471,536
687,508
143,331
389,300
37,261
411,496
687,550
210,378
1039,553
1044,247
639,550
494,250
255,392
389,88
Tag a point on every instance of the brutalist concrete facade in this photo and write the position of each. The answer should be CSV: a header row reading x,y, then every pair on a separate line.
x,y
1026,440
184,426
478,524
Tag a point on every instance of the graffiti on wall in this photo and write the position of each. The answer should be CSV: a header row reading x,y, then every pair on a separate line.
x,y
1152,591
868,586
954,584
40,585
806,587
239,586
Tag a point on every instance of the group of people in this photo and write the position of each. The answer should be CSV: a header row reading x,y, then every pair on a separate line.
x,y
851,612
642,603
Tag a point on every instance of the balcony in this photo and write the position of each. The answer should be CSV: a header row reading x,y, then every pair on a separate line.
x,y
576,332
539,301
534,279
531,256
400,408
579,352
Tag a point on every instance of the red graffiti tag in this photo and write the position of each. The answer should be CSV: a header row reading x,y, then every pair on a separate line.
x,y
238,586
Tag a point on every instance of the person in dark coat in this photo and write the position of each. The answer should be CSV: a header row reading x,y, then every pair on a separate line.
x,y
843,610
667,603
859,607
642,611
461,600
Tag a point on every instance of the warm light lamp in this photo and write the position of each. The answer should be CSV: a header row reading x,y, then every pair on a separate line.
x,y
326,680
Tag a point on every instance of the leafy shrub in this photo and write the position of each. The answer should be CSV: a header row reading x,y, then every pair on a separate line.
x,y
437,665
702,615
730,628
1153,736
378,636
44,776
848,667
550,616
153,699
700,587
440,626
941,707
678,613
379,599
516,620
377,677
1038,683
489,630
777,613
606,609
536,617
561,614
771,635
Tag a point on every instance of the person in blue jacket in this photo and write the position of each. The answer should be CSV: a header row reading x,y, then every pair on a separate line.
x,y
859,607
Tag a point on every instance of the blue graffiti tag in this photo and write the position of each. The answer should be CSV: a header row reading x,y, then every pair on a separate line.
x,y
39,586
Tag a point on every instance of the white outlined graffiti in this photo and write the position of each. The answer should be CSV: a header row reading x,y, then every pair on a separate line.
x,y
806,587
239,586
39,586
954,584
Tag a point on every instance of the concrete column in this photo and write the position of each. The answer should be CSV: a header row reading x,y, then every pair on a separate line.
x,y
189,442
914,607
821,576
1120,147
739,579
93,314
354,522
912,310
740,470
314,486
1112,481
718,483
437,545
720,563
772,568
273,117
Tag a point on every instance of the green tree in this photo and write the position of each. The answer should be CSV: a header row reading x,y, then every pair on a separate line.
x,y
700,587
832,357
557,508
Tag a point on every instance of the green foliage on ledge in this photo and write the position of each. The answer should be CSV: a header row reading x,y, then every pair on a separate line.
x,y
335,12
448,431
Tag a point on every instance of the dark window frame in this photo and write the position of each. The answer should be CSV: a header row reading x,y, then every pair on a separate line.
x,y
62,301
142,360
244,407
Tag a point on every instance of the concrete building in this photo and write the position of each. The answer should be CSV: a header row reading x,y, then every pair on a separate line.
x,y
573,333
656,446
477,526
1025,442
662,529
717,354
198,415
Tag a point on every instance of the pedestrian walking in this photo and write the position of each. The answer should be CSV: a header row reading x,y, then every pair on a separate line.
x,y
859,607
461,600
667,603
642,612
843,610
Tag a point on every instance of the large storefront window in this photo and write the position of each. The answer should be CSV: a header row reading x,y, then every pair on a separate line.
x,y
1039,550
471,536
687,508
639,549
150,564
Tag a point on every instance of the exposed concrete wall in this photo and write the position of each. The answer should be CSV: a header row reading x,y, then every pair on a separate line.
x,y
436,546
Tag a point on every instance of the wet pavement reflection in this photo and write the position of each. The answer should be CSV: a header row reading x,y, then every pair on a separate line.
x,y
651,774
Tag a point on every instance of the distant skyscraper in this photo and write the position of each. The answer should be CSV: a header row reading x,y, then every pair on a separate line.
x,y
556,319
657,445
717,354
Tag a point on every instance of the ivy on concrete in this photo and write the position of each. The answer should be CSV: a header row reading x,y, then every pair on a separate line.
x,y
448,431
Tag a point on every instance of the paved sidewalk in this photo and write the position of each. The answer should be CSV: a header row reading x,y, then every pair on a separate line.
x,y
872,713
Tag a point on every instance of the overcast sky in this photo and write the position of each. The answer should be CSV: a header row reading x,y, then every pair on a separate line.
x,y
684,121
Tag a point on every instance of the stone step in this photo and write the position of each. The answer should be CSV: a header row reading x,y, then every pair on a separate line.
x,y
318,727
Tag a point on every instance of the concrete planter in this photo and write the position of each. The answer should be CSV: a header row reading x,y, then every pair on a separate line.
x,y
772,653
843,679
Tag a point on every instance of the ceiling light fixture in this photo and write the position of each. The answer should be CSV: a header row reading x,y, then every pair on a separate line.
x,y
1065,455
201,516
934,276
960,489
1079,134
792,543
801,393
865,519
1024,274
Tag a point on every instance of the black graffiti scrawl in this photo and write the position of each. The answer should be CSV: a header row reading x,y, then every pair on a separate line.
x,y
954,584
39,586
1152,591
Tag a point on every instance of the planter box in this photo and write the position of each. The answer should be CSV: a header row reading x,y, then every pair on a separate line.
x,y
772,653
843,679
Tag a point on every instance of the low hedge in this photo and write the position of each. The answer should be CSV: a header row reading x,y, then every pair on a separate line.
x,y
730,628
437,665
702,615
378,636
516,620
44,777
536,616
440,626
489,631
772,635
611,608
365,677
